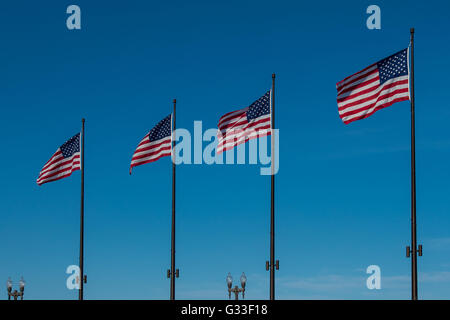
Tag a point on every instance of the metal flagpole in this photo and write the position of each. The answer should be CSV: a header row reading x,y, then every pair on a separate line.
x,y
173,273
80,292
413,249
273,264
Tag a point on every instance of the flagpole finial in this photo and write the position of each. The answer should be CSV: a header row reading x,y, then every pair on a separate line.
x,y
82,120
174,100
273,75
411,30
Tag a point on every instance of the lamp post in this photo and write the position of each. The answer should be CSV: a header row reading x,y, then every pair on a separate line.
x,y
236,290
15,293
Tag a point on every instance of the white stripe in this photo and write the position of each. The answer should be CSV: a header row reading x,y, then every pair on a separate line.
x,y
233,120
358,90
400,95
364,104
363,96
350,82
353,84
50,172
163,152
370,102
60,159
71,169
231,115
54,177
52,160
163,145
356,75
250,126
260,133
149,144
233,135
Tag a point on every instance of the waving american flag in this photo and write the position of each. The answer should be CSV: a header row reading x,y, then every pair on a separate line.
x,y
63,162
373,88
239,126
156,144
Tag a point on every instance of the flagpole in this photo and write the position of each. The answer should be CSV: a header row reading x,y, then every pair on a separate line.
x,y
413,249
272,198
80,292
173,272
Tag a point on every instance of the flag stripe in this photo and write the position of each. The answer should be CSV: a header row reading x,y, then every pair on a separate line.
x,y
356,75
60,172
249,130
365,113
359,82
61,165
259,134
368,98
151,158
151,152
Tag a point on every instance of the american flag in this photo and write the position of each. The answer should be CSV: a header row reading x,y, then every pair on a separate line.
x,y
373,88
239,126
65,161
156,144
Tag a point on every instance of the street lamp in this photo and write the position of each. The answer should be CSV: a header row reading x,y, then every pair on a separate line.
x,y
236,289
15,293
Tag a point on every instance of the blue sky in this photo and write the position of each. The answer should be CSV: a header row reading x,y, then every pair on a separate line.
x,y
343,191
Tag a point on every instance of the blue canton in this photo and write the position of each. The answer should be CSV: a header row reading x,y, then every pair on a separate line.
x,y
71,146
259,108
161,130
393,66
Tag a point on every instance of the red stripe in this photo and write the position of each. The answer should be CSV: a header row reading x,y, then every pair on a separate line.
x,y
359,85
152,146
52,159
385,96
267,133
226,139
248,125
354,95
362,76
376,109
148,161
382,88
222,118
235,125
339,84
230,122
45,176
62,162
58,178
149,154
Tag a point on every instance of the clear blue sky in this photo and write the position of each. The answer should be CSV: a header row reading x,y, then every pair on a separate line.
x,y
343,191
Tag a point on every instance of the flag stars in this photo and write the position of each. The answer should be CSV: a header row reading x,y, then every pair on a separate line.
x,y
259,107
71,146
162,129
393,66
